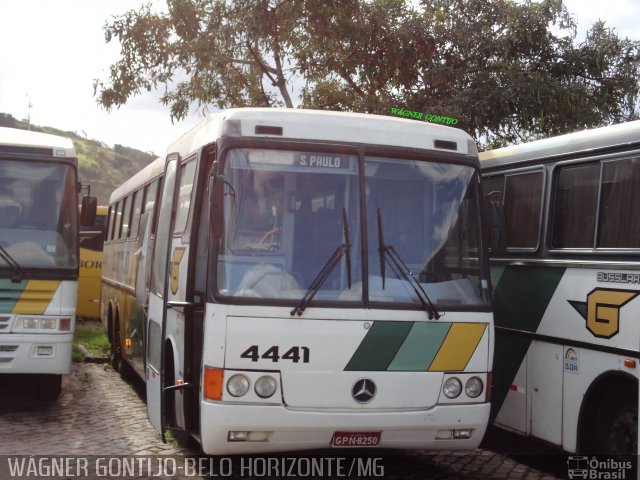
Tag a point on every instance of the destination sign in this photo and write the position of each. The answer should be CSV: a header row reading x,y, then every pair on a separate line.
x,y
322,160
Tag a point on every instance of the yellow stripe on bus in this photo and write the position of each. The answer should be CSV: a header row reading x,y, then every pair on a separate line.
x,y
36,296
458,347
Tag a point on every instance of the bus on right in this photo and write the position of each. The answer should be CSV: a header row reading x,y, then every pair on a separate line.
x,y
564,221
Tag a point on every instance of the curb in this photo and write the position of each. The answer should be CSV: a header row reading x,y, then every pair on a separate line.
x,y
88,358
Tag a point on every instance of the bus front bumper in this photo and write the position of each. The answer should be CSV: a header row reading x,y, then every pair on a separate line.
x,y
36,353
289,430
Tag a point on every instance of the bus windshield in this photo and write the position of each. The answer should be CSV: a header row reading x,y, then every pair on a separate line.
x,y
38,219
427,214
288,212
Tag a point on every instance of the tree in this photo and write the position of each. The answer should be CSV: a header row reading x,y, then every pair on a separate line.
x,y
509,71
220,53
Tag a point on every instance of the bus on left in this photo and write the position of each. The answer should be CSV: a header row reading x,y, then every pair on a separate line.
x,y
38,255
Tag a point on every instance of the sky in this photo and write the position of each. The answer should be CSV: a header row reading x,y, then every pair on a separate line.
x,y
52,50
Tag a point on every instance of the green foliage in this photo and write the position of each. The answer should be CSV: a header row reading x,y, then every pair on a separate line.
x,y
510,70
225,50
91,335
100,166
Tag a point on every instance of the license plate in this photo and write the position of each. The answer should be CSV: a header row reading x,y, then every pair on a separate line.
x,y
355,439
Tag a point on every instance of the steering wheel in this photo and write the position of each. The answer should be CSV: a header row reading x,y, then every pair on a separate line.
x,y
265,237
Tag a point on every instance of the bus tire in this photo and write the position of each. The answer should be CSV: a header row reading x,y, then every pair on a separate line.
x,y
616,429
49,387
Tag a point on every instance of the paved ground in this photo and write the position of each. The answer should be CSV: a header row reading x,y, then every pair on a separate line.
x,y
99,414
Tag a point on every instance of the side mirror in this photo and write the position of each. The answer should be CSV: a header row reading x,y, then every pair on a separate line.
x,y
216,206
88,211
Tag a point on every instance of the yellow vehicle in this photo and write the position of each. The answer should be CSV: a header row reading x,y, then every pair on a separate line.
x,y
91,239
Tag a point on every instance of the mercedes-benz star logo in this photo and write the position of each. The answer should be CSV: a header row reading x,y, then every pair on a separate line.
x,y
363,390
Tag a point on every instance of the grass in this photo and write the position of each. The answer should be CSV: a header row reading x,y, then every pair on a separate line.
x,y
91,335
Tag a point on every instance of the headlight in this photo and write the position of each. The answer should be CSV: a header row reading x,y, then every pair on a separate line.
x,y
238,385
265,386
29,322
44,323
452,387
48,323
473,388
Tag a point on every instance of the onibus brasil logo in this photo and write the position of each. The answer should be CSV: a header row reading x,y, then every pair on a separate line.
x,y
595,468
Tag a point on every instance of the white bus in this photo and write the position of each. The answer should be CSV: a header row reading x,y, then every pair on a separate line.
x,y
565,248
290,279
38,256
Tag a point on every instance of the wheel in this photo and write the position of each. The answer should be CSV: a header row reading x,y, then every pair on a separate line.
x,y
621,436
616,430
49,387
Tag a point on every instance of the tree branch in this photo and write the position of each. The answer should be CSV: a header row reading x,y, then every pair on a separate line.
x,y
282,83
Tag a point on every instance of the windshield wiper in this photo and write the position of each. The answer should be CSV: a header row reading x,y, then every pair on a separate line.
x,y
388,253
16,269
338,253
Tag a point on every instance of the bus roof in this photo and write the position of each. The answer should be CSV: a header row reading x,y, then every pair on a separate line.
x,y
623,135
306,125
60,146
293,123
149,172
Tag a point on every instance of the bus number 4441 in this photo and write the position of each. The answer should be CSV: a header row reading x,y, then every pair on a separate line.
x,y
273,353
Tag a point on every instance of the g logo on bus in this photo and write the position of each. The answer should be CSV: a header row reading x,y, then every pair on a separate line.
x,y
602,310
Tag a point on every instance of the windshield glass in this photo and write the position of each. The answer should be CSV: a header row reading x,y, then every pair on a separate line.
x,y
38,212
284,219
428,213
285,215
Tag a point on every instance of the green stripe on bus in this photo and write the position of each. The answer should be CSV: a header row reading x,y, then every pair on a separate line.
x,y
379,346
521,298
420,347
10,294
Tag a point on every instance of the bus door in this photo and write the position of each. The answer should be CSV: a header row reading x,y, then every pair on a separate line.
x,y
179,308
159,288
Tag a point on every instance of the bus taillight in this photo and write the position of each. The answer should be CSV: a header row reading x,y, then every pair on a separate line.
x,y
487,397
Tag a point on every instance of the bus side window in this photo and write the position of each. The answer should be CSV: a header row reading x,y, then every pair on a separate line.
x,y
135,215
121,220
620,200
126,217
150,192
522,209
115,217
574,210
187,174
493,192
152,200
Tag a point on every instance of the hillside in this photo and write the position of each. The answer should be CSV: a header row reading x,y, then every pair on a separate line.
x,y
100,166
